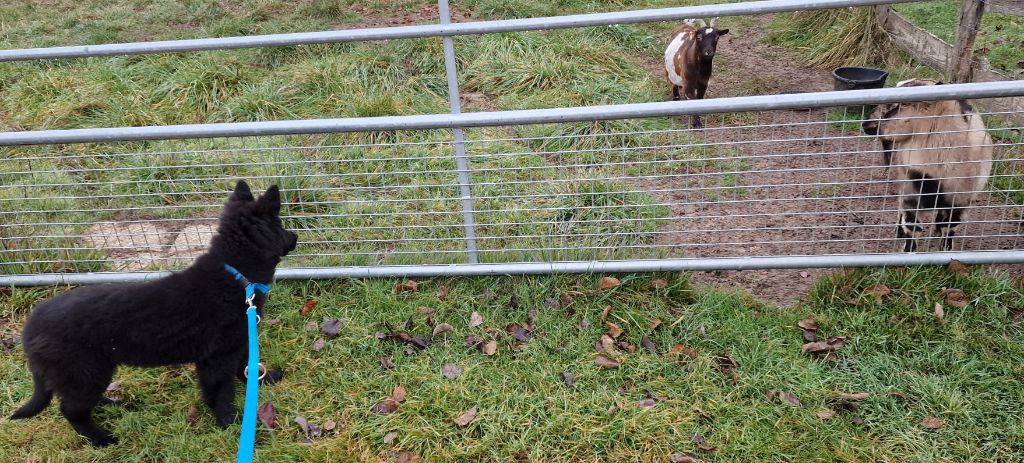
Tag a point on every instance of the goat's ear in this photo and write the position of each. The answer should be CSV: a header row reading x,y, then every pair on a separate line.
x,y
242,192
270,202
723,31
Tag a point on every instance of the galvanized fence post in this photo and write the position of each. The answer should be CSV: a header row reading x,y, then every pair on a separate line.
x,y
461,161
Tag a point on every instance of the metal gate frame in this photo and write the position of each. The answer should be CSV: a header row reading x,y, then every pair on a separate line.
x,y
457,121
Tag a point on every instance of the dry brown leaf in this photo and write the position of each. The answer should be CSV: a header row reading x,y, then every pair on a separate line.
x,y
331,328
390,437
466,417
647,403
707,448
879,291
940,313
385,406
308,307
954,297
824,413
442,328
683,457
613,330
646,343
192,416
405,456
605,344
475,320
442,293
958,267
451,371
659,283
386,363
819,347
654,323
319,344
408,286
490,348
609,283
605,312
568,378
787,398
680,349
310,326
856,397
329,425
604,361
700,411
809,335
398,394
808,323
933,423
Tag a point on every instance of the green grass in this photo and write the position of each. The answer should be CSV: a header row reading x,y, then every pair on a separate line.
x,y
914,366
1000,40
338,184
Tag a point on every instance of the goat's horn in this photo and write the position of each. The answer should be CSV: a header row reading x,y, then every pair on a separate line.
x,y
701,22
713,22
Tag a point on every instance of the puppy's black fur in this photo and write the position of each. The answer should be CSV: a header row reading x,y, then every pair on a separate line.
x,y
75,341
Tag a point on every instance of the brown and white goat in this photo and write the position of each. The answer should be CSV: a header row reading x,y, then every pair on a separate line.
x,y
688,60
941,158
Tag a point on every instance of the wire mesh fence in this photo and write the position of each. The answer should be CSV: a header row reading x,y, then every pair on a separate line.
x,y
749,184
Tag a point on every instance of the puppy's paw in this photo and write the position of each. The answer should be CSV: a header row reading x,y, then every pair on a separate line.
x,y
272,377
226,418
103,440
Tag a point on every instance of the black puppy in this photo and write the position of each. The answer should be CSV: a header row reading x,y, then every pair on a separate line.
x,y
75,341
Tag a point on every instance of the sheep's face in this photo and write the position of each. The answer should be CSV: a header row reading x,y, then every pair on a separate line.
x,y
707,41
890,122
893,121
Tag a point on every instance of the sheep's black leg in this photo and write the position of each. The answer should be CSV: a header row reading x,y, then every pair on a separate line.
x,y
946,221
675,93
908,225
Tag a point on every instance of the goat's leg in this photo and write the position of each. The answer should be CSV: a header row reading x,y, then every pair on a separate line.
x,y
907,225
698,94
946,221
675,93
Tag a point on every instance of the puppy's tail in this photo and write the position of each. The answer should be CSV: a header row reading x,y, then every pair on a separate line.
x,y
40,399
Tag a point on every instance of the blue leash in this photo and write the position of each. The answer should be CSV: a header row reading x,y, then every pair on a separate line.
x,y
247,441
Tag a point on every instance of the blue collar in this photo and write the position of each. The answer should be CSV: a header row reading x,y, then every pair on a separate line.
x,y
250,287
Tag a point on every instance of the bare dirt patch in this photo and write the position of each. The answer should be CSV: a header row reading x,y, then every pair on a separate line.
x,y
147,245
426,14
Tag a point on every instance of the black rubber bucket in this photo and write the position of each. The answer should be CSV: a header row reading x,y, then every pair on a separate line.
x,y
854,78
859,78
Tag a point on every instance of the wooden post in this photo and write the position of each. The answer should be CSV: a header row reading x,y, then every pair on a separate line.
x,y
961,69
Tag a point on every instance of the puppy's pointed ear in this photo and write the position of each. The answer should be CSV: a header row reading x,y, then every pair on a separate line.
x,y
242,192
270,202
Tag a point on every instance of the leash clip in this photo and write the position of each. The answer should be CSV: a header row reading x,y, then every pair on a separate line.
x,y
263,371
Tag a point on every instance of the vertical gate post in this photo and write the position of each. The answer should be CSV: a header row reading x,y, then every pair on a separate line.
x,y
962,68
461,160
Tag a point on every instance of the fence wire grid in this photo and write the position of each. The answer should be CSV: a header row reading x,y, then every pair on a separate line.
x,y
754,184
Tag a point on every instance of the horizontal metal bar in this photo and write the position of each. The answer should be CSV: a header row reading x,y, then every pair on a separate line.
x,y
530,116
534,268
435,30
